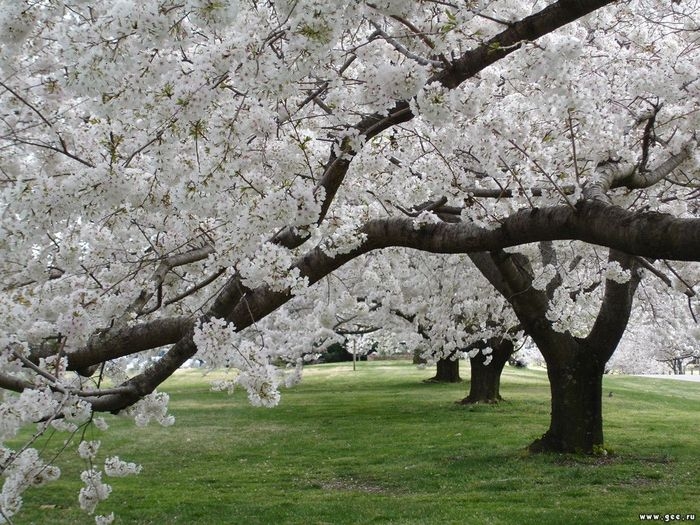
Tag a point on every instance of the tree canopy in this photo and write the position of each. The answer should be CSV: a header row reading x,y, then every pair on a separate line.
x,y
173,172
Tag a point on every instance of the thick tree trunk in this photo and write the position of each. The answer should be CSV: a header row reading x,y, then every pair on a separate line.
x,y
485,384
447,372
576,423
575,366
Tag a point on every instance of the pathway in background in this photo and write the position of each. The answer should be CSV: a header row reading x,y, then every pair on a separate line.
x,y
681,377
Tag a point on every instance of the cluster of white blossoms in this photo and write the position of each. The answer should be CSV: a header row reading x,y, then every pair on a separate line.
x,y
248,361
153,407
88,449
139,133
116,468
30,406
95,490
341,233
425,217
270,265
615,272
20,472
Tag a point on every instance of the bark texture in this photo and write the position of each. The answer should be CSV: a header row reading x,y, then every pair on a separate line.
x,y
447,371
574,366
577,422
485,382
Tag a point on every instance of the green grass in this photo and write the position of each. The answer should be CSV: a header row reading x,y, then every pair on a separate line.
x,y
379,446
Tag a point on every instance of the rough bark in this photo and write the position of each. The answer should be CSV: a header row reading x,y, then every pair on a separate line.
x,y
574,366
576,424
485,382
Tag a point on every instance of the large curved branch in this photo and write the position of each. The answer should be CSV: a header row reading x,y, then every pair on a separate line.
x,y
613,175
647,234
511,275
465,67
518,33
615,308
123,341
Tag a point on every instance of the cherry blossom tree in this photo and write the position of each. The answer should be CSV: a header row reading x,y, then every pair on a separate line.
x,y
173,172
664,332
456,313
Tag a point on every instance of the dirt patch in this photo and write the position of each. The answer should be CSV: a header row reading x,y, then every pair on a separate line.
x,y
352,485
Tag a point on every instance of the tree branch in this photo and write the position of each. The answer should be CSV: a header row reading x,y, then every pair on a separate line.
x,y
167,264
611,175
615,308
469,64
646,234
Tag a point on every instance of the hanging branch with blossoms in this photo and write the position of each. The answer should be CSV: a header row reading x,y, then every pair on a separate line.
x,y
173,172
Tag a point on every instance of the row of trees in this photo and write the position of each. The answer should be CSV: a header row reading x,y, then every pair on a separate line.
x,y
173,173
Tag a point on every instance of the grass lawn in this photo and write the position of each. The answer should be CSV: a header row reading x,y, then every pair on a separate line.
x,y
379,446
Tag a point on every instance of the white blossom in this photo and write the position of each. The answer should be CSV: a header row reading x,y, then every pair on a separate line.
x,y
104,520
94,490
88,449
24,470
153,407
115,467
614,272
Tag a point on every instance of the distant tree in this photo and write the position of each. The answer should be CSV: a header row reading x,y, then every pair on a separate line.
x,y
664,327
446,371
485,382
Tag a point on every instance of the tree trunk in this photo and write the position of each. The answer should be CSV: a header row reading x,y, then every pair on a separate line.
x,y
485,384
575,366
417,359
447,372
576,423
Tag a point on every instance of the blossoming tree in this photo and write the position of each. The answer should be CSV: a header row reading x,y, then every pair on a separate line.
x,y
456,313
665,328
173,172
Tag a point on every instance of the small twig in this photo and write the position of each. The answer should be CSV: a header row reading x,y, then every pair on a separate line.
x,y
62,150
43,373
543,172
494,19
138,150
28,104
689,292
405,51
167,264
92,276
417,210
196,287
415,30
517,180
573,147
649,266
